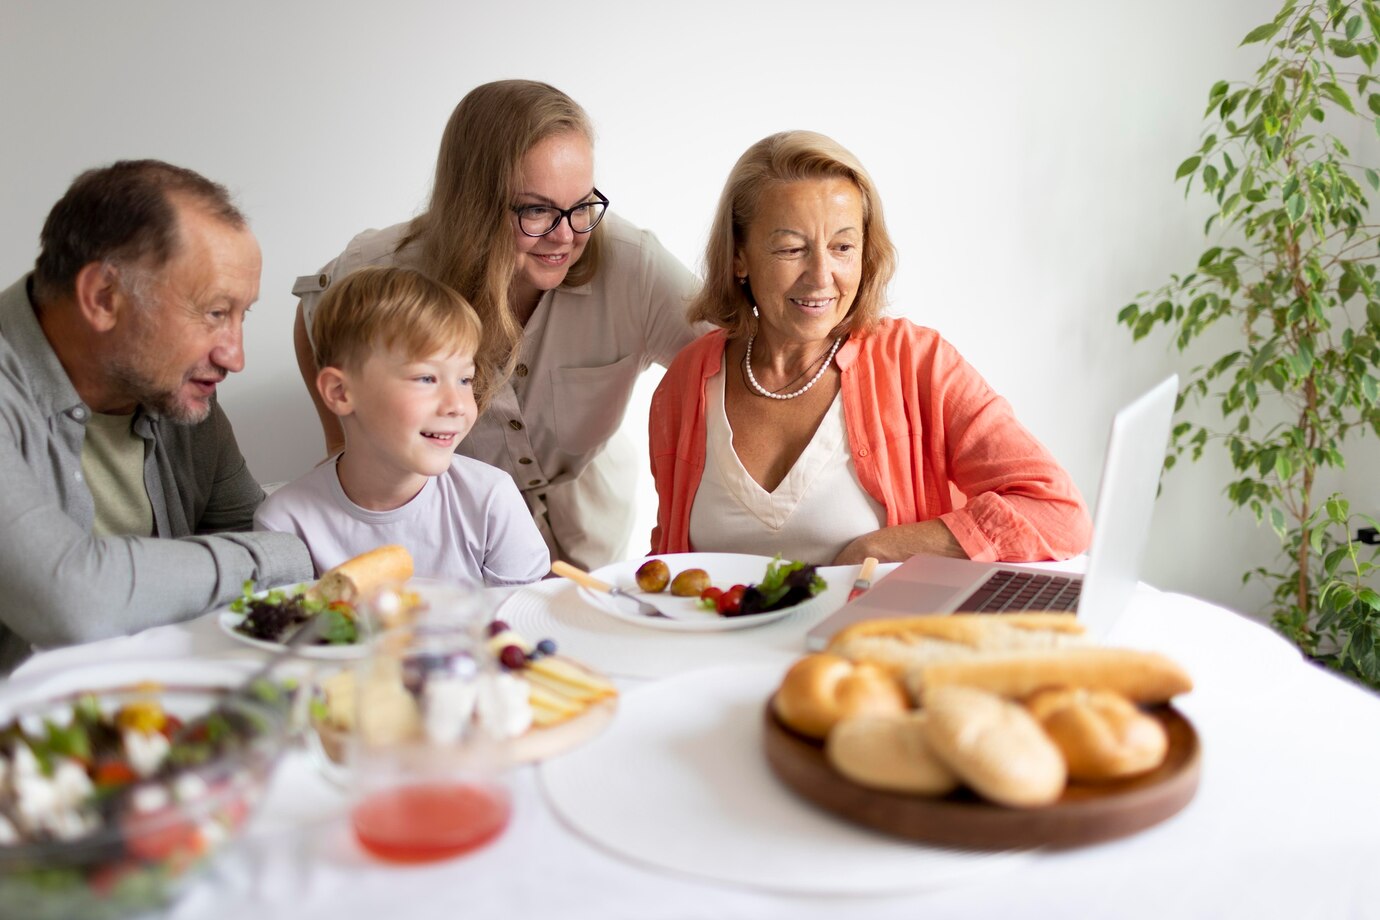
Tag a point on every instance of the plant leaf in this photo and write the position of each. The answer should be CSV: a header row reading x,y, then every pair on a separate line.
x,y
1187,167
1337,95
1260,33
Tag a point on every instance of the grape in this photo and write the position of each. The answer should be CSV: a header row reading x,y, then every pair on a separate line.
x,y
512,657
496,627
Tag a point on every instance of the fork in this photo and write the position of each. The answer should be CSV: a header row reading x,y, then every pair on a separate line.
x,y
584,579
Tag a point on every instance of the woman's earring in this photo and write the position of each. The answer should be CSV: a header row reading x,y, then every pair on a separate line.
x,y
747,293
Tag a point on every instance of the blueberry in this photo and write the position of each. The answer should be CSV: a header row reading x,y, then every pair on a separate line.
x,y
547,646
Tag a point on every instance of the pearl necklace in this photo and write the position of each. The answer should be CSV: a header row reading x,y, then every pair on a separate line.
x,y
761,391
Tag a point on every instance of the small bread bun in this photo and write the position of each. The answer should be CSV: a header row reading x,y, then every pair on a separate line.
x,y
994,746
888,752
1102,735
1142,677
819,690
357,578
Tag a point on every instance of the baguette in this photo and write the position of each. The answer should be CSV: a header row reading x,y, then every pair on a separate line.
x,y
900,644
1142,677
357,578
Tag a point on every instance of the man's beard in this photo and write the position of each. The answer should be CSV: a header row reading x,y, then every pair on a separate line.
x,y
128,369
148,393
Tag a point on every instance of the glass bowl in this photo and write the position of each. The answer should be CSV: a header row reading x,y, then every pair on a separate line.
x,y
92,828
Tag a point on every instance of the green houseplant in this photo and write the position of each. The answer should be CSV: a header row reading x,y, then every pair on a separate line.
x,y
1291,272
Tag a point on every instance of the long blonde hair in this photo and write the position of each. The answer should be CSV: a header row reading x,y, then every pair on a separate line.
x,y
789,157
465,236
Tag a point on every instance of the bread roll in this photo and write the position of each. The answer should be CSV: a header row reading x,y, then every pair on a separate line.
x,y
821,689
890,753
1142,677
994,746
902,643
1102,735
357,578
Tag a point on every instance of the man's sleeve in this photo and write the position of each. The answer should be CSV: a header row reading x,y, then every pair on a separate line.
x,y
62,585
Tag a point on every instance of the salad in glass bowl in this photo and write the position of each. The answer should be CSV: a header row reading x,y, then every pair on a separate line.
x,y
111,800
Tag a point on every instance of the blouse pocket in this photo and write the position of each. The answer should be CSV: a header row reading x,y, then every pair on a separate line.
x,y
590,402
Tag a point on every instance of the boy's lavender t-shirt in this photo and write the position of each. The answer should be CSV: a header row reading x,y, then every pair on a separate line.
x,y
468,524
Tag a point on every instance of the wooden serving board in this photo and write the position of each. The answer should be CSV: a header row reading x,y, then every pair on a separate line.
x,y
1087,813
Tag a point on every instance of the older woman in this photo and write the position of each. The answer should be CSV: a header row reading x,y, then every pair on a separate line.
x,y
575,306
809,425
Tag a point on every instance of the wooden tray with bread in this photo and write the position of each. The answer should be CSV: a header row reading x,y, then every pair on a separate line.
x,y
985,732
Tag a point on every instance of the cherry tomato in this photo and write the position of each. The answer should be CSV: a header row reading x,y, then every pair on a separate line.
x,y
712,594
731,601
115,773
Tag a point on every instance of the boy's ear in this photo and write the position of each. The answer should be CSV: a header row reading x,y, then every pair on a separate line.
x,y
334,386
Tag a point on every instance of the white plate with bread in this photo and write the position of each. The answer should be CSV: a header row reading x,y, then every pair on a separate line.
x,y
346,585
985,731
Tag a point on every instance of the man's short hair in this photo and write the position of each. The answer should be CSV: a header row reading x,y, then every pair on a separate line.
x,y
379,308
122,213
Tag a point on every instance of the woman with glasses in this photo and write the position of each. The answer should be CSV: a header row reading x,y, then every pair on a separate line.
x,y
808,424
575,304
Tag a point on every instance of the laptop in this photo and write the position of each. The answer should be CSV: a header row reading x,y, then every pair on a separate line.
x,y
1121,527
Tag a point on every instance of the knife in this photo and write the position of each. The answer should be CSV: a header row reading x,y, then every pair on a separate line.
x,y
864,581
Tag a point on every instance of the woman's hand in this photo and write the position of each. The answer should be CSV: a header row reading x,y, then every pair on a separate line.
x,y
899,543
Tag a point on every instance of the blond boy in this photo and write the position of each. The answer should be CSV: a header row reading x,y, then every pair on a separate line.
x,y
396,351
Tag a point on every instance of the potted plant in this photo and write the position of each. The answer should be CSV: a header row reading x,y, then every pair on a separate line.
x,y
1291,267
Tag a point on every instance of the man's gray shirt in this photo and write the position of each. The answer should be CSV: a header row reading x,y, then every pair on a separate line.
x,y
59,584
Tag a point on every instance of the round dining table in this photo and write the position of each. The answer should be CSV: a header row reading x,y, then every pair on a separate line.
x,y
1285,822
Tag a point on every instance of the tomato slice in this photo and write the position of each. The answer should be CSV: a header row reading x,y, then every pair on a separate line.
x,y
157,843
731,601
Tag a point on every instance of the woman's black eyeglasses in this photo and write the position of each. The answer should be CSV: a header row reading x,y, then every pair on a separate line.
x,y
541,219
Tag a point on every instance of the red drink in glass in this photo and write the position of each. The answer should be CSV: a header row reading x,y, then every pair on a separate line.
x,y
427,822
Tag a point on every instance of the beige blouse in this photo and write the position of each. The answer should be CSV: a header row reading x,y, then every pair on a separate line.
x,y
551,426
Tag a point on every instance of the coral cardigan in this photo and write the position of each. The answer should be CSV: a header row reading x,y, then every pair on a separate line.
x,y
919,419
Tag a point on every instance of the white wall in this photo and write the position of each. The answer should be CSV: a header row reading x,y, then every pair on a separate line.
x,y
1025,152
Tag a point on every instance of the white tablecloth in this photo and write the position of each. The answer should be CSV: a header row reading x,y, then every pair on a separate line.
x,y
1286,822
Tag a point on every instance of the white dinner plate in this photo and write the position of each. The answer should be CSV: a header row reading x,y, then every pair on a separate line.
x,y
725,570
97,676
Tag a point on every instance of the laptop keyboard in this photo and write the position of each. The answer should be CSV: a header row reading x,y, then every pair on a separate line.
x,y
1016,591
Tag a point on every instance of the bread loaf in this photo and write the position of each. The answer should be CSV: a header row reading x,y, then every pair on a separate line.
x,y
357,578
890,753
903,643
994,746
1102,735
819,690
1142,677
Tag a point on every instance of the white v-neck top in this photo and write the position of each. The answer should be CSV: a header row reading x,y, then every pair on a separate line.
x,y
817,510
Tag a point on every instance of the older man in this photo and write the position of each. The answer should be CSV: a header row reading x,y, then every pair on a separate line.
x,y
121,485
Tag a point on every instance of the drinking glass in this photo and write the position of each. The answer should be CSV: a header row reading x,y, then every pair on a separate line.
x,y
427,781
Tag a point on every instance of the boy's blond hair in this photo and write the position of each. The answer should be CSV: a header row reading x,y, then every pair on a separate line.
x,y
374,309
